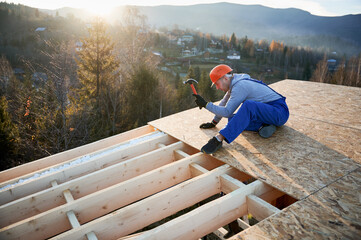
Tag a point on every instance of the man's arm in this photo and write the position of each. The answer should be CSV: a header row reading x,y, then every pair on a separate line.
x,y
232,100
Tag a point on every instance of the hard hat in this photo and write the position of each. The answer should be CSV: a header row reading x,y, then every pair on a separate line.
x,y
219,71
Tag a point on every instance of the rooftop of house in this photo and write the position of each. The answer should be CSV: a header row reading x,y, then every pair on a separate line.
x,y
303,182
314,158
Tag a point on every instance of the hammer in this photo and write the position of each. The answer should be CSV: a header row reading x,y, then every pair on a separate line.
x,y
190,82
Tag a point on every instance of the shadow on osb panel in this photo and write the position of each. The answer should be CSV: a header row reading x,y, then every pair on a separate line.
x,y
289,160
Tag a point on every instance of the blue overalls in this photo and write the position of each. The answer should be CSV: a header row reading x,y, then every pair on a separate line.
x,y
252,115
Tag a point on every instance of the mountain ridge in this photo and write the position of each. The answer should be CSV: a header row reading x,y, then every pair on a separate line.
x,y
254,21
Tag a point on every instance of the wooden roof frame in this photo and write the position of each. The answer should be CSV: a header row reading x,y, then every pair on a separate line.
x,y
124,187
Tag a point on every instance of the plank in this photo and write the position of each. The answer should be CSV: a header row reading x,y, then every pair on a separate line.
x,y
229,184
208,217
140,214
95,162
180,154
102,202
50,198
220,232
197,169
73,153
72,219
259,208
242,224
91,236
85,157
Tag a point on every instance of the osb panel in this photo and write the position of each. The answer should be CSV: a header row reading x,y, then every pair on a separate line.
x,y
334,212
303,156
323,102
344,140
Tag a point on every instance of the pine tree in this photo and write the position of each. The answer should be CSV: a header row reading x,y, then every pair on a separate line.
x,y
184,93
205,89
307,71
143,100
96,60
98,74
8,136
233,41
197,73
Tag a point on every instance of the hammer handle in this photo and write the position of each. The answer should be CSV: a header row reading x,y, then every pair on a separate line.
x,y
194,89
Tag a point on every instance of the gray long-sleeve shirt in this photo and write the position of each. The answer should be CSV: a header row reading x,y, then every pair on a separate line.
x,y
240,90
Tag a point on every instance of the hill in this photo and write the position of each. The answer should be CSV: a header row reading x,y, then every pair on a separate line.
x,y
256,21
291,26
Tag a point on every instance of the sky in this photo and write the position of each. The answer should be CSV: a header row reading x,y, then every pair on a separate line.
x,y
315,7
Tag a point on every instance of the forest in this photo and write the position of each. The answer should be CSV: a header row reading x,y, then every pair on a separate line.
x,y
65,83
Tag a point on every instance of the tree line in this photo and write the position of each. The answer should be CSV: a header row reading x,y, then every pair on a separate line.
x,y
347,72
107,86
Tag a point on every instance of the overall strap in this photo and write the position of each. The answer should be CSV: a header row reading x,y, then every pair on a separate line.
x,y
260,82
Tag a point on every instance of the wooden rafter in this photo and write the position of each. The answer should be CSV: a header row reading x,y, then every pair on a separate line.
x,y
116,193
46,162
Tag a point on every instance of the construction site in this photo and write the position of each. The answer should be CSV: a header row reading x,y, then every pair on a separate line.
x,y
153,182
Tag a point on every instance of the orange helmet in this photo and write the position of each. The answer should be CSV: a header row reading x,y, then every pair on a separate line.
x,y
219,71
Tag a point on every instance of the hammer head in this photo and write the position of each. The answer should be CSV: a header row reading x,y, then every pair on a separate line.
x,y
190,81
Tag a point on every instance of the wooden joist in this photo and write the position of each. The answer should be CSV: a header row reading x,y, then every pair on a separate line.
x,y
242,224
208,217
46,162
259,208
97,161
154,208
85,185
103,202
116,193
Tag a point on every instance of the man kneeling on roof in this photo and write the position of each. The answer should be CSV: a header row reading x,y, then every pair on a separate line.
x,y
262,108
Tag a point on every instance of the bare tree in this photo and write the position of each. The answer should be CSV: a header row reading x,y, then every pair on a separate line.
x,y
6,73
353,71
321,72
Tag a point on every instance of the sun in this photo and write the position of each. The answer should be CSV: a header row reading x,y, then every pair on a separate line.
x,y
99,8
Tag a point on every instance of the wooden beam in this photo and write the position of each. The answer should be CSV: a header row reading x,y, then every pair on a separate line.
x,y
91,236
210,163
229,184
105,201
273,195
220,232
91,154
131,237
72,219
67,195
259,208
208,217
242,224
96,162
239,175
152,209
50,198
180,154
197,169
73,153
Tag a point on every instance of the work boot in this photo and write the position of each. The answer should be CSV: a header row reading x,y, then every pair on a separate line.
x,y
212,146
266,130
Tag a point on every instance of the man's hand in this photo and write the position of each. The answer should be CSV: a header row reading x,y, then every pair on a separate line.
x,y
200,101
207,125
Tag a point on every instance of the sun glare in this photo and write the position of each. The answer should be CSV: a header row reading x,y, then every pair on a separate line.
x,y
99,9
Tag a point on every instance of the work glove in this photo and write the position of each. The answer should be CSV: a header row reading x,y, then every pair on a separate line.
x,y
207,125
200,101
